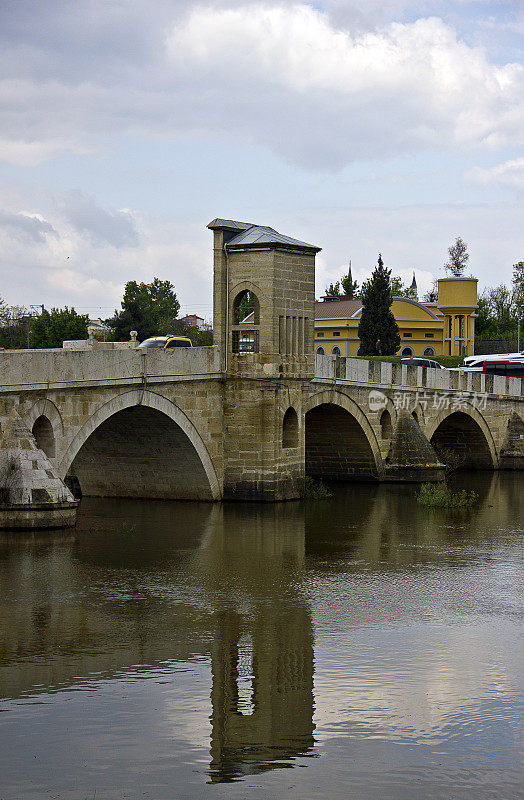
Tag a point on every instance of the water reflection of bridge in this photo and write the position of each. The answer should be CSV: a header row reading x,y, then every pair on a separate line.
x,y
137,587
133,595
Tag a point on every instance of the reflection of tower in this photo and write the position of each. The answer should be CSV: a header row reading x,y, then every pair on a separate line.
x,y
262,694
262,658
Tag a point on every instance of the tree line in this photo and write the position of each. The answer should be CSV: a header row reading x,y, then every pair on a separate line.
x,y
151,309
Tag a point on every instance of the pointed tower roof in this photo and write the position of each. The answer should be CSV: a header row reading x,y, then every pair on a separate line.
x,y
247,235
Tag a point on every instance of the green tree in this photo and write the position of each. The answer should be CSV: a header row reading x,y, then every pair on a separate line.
x,y
4,312
377,323
14,326
199,337
333,290
345,287
458,258
349,286
496,317
432,295
150,309
399,289
518,288
52,328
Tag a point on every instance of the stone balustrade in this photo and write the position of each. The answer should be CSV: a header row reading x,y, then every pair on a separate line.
x,y
41,369
363,372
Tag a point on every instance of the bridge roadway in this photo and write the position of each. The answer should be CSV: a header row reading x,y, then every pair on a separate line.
x,y
174,425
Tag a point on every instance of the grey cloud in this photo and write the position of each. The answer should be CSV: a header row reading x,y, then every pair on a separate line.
x,y
77,70
116,228
21,226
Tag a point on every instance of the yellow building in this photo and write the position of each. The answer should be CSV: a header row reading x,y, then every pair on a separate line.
x,y
445,327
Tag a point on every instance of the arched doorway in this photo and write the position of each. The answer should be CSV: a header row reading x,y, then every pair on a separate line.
x,y
337,448
460,443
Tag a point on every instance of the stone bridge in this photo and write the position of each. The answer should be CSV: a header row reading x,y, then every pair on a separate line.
x,y
249,417
170,424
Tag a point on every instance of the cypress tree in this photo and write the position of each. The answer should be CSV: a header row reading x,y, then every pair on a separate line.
x,y
377,322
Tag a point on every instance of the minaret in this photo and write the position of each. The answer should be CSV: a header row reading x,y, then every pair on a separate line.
x,y
414,286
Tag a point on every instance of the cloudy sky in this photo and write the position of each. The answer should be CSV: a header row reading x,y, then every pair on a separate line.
x,y
357,125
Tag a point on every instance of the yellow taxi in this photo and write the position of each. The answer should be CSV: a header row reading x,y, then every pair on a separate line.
x,y
166,342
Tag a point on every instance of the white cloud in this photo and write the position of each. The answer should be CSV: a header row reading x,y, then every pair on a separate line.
x,y
510,173
319,90
323,97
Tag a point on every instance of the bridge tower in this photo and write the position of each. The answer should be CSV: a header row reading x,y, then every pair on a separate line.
x,y
264,296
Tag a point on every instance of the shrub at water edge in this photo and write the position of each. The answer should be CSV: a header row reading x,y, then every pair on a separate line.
x,y
310,489
437,495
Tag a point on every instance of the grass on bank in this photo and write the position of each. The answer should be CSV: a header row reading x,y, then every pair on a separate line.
x,y
438,495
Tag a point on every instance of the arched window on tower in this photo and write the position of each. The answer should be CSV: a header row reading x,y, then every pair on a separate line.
x,y
246,321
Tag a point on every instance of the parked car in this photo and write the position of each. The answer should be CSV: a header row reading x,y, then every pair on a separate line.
x,y
166,342
421,362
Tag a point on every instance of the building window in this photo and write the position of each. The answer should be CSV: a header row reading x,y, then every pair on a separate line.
x,y
245,341
429,351
336,351
320,335
407,335
429,335
406,351
320,351
336,333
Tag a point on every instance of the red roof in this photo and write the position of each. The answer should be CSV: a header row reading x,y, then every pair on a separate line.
x,y
337,309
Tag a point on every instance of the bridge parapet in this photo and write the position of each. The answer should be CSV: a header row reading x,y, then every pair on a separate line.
x,y
41,369
363,372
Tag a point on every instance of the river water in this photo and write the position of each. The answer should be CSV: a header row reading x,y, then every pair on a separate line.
x,y
362,647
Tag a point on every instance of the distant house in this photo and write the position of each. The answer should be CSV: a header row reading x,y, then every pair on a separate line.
x,y
193,321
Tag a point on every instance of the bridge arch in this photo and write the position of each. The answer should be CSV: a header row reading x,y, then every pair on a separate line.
x,y
340,442
462,438
44,421
151,435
